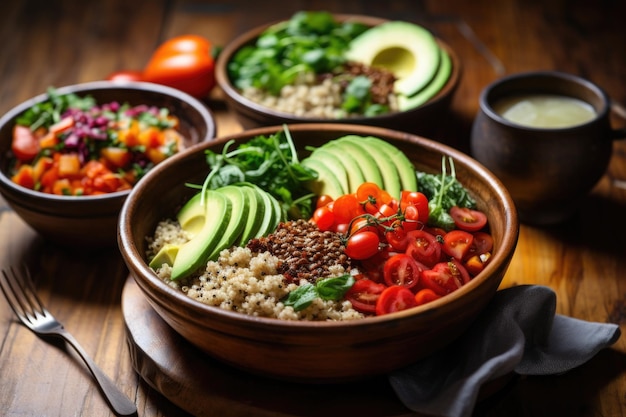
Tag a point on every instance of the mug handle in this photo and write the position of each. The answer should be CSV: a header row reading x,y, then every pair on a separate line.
x,y
620,111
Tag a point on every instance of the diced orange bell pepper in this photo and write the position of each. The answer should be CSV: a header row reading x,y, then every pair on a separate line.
x,y
118,157
151,138
24,177
69,165
130,136
42,165
62,187
49,140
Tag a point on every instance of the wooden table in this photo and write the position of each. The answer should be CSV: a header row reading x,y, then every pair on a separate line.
x,y
54,43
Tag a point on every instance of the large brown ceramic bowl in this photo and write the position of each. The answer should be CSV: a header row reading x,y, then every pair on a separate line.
x,y
418,120
315,351
91,221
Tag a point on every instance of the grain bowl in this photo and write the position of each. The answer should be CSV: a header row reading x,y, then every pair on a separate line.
x,y
253,112
315,351
90,221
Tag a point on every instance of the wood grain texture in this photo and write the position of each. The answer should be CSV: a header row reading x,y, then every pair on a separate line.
x,y
64,41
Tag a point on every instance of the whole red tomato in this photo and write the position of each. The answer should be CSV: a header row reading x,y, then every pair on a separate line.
x,y
183,62
125,75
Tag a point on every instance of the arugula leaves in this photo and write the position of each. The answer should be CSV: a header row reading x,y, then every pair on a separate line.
x,y
333,288
272,163
310,42
443,192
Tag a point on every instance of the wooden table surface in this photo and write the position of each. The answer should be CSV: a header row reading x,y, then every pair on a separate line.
x,y
54,43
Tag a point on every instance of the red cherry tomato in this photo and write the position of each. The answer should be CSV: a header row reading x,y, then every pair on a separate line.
x,y
457,243
397,238
417,199
125,75
25,145
183,62
346,208
445,277
323,200
395,298
425,295
364,294
362,245
403,270
423,247
373,267
482,243
368,194
468,219
324,218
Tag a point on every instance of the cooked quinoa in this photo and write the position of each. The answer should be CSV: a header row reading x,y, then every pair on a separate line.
x,y
245,281
321,96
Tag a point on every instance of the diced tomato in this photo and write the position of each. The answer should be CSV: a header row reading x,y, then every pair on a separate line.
x,y
25,144
69,165
395,298
423,247
118,157
24,177
403,270
457,243
364,294
468,219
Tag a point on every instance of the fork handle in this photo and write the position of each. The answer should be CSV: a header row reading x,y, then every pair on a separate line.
x,y
118,401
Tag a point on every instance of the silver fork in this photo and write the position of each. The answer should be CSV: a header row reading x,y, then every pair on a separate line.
x,y
21,296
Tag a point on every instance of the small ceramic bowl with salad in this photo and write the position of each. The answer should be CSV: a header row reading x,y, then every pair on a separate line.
x,y
70,156
335,68
319,252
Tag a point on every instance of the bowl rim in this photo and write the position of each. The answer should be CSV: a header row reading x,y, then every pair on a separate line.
x,y
149,281
87,87
223,80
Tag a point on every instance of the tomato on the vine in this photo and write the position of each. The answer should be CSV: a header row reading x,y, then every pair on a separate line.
x,y
403,270
346,208
395,298
364,294
468,219
362,245
184,62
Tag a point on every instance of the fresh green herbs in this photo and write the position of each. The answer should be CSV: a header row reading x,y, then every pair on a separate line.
x,y
310,42
443,192
358,98
333,288
270,162
48,112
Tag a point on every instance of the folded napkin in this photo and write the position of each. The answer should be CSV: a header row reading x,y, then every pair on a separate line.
x,y
518,332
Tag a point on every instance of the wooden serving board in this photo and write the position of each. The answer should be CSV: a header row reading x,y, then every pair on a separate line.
x,y
203,386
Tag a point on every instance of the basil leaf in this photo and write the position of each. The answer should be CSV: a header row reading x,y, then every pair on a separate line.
x,y
302,297
334,288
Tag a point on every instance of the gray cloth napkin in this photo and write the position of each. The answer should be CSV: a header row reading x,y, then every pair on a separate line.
x,y
518,332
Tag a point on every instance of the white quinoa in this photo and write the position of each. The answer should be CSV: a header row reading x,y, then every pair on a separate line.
x,y
307,98
244,282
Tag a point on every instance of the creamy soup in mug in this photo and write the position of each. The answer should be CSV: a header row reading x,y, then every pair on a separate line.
x,y
544,110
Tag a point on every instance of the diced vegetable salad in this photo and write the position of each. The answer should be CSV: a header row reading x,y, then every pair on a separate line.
x,y
71,145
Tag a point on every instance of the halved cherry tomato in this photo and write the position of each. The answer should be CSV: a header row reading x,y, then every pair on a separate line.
x,y
397,238
364,294
125,75
324,218
362,245
395,298
184,62
468,219
482,243
403,270
423,247
457,243
25,145
445,277
417,199
425,295
374,266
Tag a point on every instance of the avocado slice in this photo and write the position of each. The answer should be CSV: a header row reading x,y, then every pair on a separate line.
x,y
326,181
350,165
334,163
193,254
441,78
191,215
270,217
408,50
355,147
166,255
240,205
403,165
256,215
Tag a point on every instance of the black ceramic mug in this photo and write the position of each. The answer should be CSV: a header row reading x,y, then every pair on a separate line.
x,y
546,170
